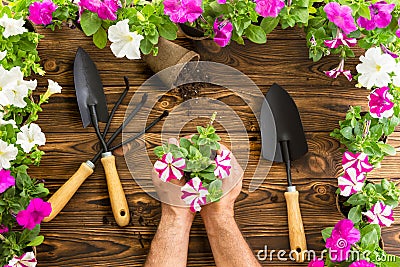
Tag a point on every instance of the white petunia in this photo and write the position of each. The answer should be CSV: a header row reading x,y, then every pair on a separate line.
x,y
54,87
3,54
396,77
12,26
30,136
375,68
5,122
7,154
124,42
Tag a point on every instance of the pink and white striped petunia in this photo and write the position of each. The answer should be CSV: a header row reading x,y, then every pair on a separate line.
x,y
25,260
358,161
194,194
380,214
334,73
380,103
340,39
223,162
169,168
351,182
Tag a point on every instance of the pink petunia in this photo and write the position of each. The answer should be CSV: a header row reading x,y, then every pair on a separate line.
x,y
351,182
398,30
25,260
380,214
181,11
169,168
341,16
334,73
194,194
34,214
223,164
6,180
340,39
106,9
356,160
344,235
3,229
381,15
221,2
362,263
380,103
269,8
387,51
316,263
42,12
223,32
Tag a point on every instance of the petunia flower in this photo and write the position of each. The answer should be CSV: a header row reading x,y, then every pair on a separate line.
x,y
221,2
6,180
25,260
340,39
359,161
34,214
3,54
12,26
362,263
42,12
5,122
380,214
387,51
7,153
30,136
380,16
334,73
351,182
344,235
54,87
181,11
341,16
396,77
106,9
169,168
3,229
223,164
398,30
375,68
194,194
269,8
316,263
223,32
124,42
380,103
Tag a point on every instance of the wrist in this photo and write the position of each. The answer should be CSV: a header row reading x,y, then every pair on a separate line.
x,y
216,214
180,218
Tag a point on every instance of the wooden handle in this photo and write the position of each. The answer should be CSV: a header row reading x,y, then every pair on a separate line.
x,y
297,236
60,198
118,201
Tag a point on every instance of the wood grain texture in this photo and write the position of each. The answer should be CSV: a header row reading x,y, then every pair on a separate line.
x,y
85,232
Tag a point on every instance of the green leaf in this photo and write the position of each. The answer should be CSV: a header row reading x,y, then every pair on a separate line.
x,y
36,242
100,38
146,46
364,11
347,132
268,24
326,233
168,30
159,151
256,34
185,143
355,214
388,149
370,240
357,199
29,235
148,10
90,22
369,228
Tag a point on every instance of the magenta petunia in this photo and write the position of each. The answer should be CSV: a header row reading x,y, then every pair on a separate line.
x,y
181,11
362,263
269,8
344,235
221,1
106,9
194,194
316,263
381,15
34,214
341,16
223,164
6,180
387,51
169,168
380,214
358,161
3,229
334,73
398,30
42,12
223,32
380,103
351,182
340,39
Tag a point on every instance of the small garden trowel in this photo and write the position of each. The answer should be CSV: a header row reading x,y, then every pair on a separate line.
x,y
282,118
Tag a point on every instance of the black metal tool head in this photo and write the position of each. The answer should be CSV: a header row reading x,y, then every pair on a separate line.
x,y
88,88
284,119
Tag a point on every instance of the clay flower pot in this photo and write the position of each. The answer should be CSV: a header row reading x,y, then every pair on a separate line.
x,y
170,55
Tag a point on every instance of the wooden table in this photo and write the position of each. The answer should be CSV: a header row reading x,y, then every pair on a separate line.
x,y
85,234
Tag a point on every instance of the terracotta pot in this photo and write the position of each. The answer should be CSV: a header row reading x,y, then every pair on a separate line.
x,y
172,56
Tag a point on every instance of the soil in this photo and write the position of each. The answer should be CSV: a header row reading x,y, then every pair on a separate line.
x,y
189,90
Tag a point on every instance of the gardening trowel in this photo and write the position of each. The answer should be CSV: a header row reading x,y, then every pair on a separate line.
x,y
282,118
93,108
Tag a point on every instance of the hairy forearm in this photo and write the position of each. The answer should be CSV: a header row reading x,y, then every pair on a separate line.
x,y
170,244
227,243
